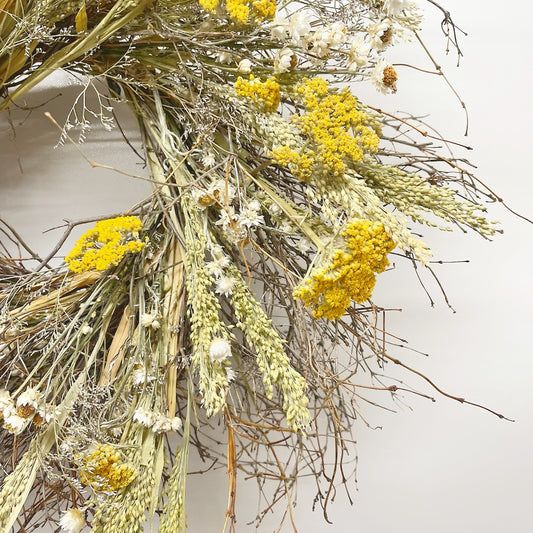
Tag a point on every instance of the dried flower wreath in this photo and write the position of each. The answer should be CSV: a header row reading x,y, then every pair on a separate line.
x,y
277,193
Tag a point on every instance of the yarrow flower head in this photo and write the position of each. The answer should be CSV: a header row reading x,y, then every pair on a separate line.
x,y
106,244
266,95
349,274
336,128
103,470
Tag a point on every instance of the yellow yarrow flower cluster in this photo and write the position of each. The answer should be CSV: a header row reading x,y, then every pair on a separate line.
x,y
106,244
349,275
239,10
264,9
265,95
209,5
103,470
338,129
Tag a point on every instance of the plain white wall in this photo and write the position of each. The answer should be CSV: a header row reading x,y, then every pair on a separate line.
x,y
437,467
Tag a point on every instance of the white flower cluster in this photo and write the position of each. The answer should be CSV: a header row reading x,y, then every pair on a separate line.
x,y
29,407
157,422
400,18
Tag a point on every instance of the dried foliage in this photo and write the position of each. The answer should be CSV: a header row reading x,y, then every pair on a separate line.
x,y
271,180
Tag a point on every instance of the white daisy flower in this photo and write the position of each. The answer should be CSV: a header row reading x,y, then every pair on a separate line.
x,y
358,54
384,77
284,60
72,521
380,34
227,217
6,402
217,266
226,191
31,397
209,160
250,215
15,424
279,27
219,349
139,375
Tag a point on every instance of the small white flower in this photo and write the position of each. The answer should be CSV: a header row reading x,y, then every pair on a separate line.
x,y
148,320
284,60
176,423
6,402
299,26
216,251
250,215
224,285
384,77
380,34
209,160
219,349
230,375
358,54
325,38
72,521
217,266
279,27
46,412
162,424
144,416
226,191
395,7
245,66
227,217
31,397
139,375
86,329
15,424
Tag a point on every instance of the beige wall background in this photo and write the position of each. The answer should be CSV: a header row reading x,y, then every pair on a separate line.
x,y
431,467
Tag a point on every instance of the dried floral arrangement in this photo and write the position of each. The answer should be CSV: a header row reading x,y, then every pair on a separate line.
x,y
238,294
